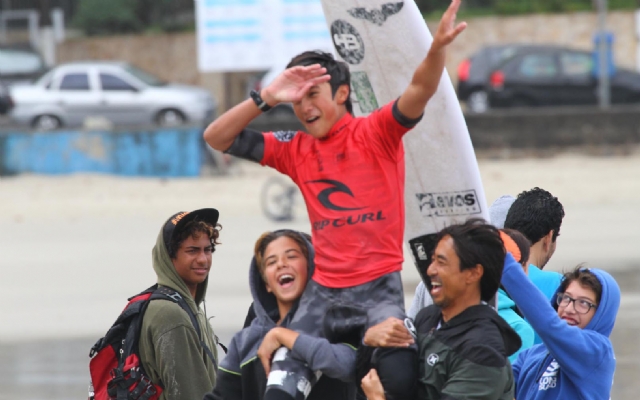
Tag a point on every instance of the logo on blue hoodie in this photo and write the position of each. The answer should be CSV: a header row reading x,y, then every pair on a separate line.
x,y
550,377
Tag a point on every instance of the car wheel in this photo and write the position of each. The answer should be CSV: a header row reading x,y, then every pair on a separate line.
x,y
46,123
478,102
170,118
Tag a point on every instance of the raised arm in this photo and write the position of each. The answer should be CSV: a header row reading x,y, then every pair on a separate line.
x,y
569,345
289,86
427,76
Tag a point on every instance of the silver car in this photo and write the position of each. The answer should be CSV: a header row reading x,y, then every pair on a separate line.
x,y
115,92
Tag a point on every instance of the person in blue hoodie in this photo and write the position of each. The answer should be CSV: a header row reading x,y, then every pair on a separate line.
x,y
576,359
280,270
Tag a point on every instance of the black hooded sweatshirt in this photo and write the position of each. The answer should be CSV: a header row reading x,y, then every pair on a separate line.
x,y
467,356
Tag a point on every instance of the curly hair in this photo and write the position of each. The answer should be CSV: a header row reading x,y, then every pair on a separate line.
x,y
534,213
477,242
194,229
338,70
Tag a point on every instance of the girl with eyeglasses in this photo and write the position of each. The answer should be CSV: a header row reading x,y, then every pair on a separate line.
x,y
576,358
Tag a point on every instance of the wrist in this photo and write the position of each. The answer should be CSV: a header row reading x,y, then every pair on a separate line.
x,y
268,98
261,103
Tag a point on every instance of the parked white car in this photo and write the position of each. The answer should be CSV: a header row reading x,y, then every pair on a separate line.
x,y
71,94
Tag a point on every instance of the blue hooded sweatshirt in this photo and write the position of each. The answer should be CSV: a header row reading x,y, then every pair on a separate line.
x,y
571,363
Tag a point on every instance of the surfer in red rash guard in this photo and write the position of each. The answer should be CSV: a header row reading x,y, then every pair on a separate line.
x,y
351,174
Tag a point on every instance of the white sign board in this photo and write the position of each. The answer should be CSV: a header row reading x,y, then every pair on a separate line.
x,y
249,35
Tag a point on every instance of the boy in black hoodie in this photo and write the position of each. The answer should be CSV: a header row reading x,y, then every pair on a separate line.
x,y
280,269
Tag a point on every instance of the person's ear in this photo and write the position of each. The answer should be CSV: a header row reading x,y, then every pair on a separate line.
x,y
342,94
475,274
547,241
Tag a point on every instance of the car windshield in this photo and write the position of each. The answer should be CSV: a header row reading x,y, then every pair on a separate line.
x,y
144,76
501,54
45,80
15,62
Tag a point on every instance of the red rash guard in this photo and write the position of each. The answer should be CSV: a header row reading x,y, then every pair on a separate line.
x,y
352,182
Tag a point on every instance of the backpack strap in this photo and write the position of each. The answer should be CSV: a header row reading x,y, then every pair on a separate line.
x,y
166,293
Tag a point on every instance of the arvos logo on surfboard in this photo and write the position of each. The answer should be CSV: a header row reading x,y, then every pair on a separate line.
x,y
376,16
446,204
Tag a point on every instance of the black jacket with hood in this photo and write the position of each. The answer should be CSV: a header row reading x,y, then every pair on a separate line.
x,y
241,375
467,356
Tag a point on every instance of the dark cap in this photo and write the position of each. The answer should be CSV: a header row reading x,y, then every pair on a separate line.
x,y
178,221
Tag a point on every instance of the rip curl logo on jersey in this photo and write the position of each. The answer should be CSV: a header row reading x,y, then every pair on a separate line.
x,y
324,197
347,41
433,359
447,204
549,378
376,16
284,136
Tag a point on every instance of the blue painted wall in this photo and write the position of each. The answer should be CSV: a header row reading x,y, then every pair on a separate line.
x,y
162,153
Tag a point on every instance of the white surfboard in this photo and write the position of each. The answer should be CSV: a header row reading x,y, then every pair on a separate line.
x,y
383,41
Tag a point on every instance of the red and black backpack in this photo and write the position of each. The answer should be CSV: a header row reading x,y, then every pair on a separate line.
x,y
115,367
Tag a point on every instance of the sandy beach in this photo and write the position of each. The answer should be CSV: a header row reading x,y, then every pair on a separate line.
x,y
73,248
82,243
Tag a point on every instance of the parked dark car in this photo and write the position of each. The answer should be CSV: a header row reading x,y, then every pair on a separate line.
x,y
6,103
474,72
20,64
556,76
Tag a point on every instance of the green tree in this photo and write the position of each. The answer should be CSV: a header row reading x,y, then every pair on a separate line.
x,y
99,17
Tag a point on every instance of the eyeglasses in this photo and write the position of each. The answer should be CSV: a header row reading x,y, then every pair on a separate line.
x,y
581,306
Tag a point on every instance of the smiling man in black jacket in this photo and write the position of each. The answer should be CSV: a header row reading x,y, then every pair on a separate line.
x,y
463,343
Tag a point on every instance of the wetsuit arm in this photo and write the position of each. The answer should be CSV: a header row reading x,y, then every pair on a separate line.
x,y
428,74
249,144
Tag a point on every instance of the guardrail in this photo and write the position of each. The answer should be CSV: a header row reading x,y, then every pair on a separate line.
x,y
167,152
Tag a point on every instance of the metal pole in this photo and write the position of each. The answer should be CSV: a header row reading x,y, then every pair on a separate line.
x,y
604,92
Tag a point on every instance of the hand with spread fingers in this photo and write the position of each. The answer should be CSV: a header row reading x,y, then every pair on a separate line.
x,y
293,83
447,29
390,333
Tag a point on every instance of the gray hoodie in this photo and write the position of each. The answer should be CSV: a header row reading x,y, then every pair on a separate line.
x,y
241,375
170,349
